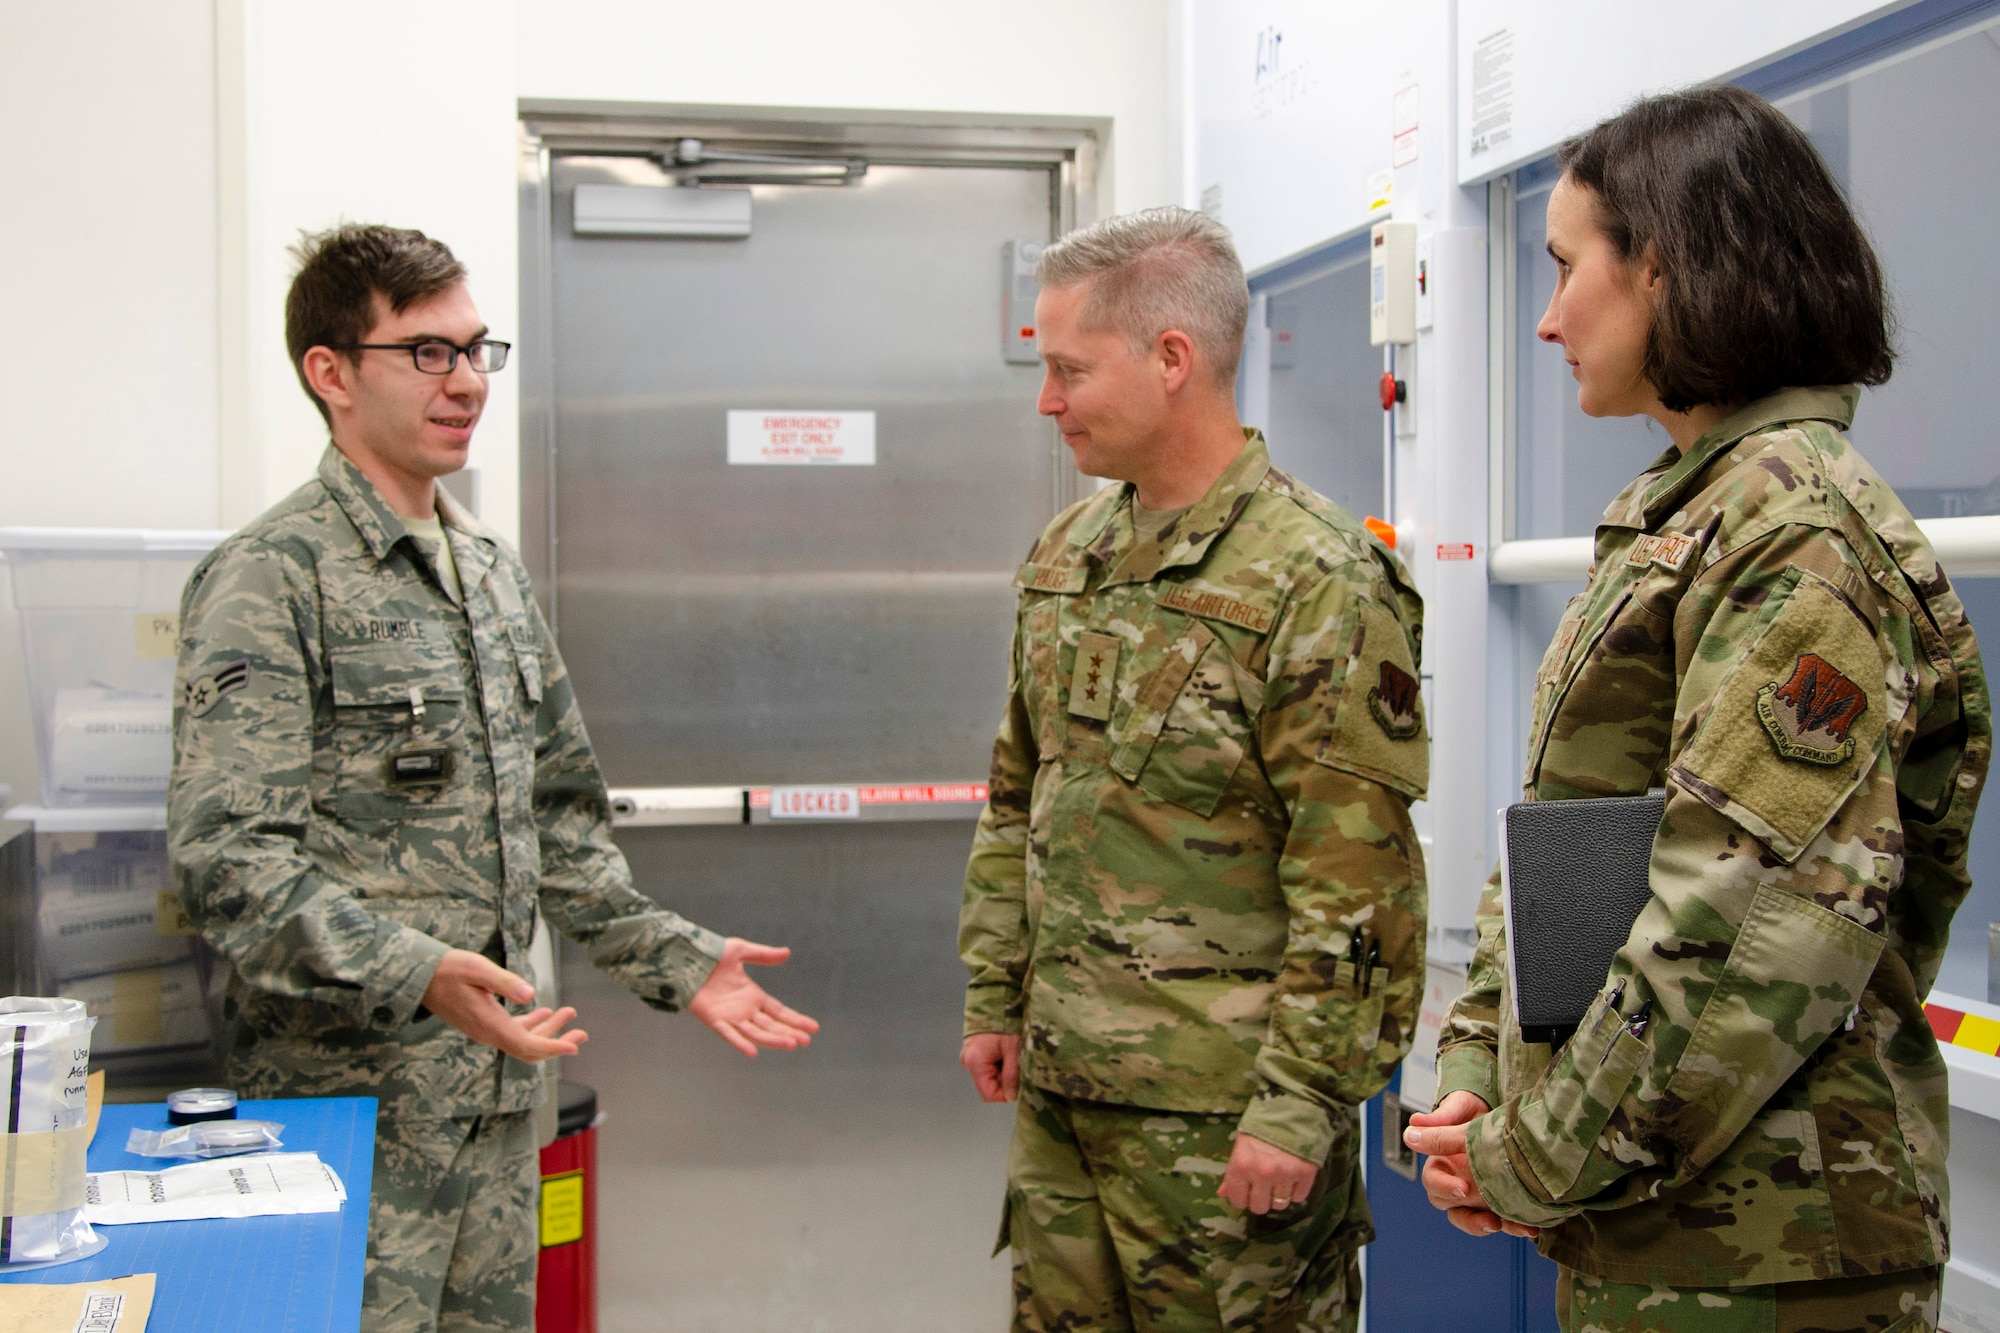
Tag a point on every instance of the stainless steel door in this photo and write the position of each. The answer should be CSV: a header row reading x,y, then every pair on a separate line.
x,y
796,624
756,625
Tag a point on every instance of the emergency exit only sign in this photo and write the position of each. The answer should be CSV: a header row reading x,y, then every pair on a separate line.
x,y
759,437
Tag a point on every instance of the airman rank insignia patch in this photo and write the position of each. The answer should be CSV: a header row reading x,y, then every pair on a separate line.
x,y
1214,606
198,696
1664,549
1393,702
1049,578
1096,674
1810,714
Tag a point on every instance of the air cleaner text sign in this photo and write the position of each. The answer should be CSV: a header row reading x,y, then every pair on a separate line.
x,y
760,437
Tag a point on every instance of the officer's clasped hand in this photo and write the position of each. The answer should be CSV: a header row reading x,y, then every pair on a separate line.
x,y
1447,1178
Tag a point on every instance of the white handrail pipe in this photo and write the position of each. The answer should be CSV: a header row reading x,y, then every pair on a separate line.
x,y
1967,547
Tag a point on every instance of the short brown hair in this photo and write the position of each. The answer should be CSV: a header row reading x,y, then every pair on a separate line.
x,y
1769,280
1154,270
332,300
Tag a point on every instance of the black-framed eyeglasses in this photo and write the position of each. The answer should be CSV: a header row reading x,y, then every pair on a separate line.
x,y
435,356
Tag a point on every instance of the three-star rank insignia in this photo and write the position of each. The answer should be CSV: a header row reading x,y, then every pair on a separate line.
x,y
198,696
1810,714
1095,676
1392,701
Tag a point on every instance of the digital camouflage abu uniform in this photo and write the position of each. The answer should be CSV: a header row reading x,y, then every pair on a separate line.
x,y
1199,824
1767,636
369,772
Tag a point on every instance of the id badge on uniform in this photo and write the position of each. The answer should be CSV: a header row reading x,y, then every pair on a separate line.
x,y
418,765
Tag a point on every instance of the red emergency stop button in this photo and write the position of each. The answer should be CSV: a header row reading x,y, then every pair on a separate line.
x,y
1393,391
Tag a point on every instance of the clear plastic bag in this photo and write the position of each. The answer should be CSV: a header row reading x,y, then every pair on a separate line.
x,y
45,1056
207,1138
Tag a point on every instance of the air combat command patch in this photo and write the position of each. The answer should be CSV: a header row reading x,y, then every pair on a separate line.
x,y
1393,702
198,696
1810,714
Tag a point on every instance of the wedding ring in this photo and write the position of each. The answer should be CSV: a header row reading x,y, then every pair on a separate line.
x,y
1279,1202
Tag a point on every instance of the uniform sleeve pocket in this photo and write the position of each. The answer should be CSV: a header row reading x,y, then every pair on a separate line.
x,y
1794,973
1796,724
1378,728
1558,1130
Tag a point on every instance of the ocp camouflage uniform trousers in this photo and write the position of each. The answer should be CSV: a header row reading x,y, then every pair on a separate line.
x,y
1114,1222
1197,896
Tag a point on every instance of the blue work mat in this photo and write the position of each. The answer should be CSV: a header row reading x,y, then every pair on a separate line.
x,y
296,1274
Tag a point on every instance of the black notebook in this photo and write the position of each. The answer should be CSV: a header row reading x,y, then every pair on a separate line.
x,y
1573,877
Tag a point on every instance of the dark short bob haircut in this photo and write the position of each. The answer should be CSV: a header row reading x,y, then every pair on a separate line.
x,y
342,271
1768,279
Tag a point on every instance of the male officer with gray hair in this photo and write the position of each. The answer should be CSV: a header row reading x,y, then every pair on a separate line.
x,y
1194,914
380,773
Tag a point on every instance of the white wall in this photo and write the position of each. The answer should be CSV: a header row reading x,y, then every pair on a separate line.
x,y
1291,115
383,112
107,262
1048,57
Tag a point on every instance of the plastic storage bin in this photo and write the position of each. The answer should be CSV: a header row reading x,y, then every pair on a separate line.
x,y
109,931
99,611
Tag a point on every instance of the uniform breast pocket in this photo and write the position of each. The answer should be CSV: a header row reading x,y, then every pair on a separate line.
x,y
1610,709
1188,726
398,734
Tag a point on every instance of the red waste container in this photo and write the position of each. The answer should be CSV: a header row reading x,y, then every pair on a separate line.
x,y
566,1276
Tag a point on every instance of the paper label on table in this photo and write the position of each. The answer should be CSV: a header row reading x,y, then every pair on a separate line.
x,y
108,1305
815,803
155,636
269,1183
103,1311
758,436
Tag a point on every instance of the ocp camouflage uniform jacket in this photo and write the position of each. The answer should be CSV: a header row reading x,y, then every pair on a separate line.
x,y
333,886
1767,636
1200,814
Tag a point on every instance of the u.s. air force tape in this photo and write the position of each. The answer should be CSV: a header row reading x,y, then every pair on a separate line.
x,y
1215,606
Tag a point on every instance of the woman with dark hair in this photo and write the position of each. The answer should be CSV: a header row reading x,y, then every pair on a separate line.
x,y
1748,1129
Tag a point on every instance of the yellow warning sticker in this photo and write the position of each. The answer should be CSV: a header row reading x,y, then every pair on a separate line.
x,y
562,1208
